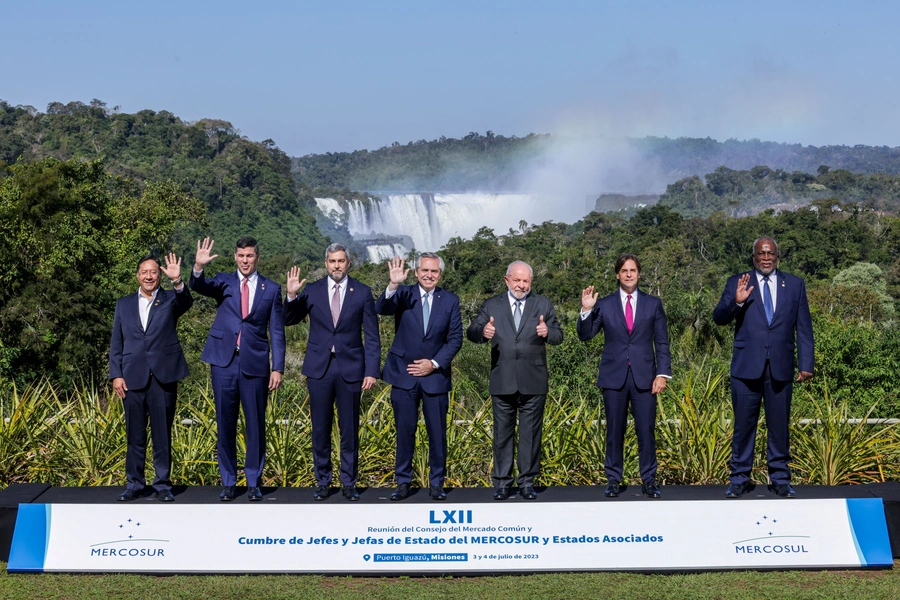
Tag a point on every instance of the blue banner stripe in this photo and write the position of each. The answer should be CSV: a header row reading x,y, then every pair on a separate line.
x,y
30,538
867,522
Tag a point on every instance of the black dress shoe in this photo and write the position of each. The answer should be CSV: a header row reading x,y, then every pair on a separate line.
x,y
401,493
129,495
350,493
650,489
784,490
736,490
612,489
321,493
165,496
436,492
527,492
501,493
227,494
254,494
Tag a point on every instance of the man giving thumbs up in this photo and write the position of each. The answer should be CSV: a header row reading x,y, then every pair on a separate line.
x,y
518,325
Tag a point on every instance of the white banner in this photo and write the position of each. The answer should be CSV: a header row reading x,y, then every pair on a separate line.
x,y
448,538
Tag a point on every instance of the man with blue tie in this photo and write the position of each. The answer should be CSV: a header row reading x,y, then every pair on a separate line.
x,y
145,364
428,334
248,322
343,356
769,309
634,368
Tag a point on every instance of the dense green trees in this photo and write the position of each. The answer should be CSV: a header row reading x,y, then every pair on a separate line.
x,y
246,186
69,236
492,162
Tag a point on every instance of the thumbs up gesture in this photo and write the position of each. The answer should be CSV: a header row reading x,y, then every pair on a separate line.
x,y
489,330
541,327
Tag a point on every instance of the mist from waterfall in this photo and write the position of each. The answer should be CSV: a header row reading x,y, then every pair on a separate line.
x,y
432,219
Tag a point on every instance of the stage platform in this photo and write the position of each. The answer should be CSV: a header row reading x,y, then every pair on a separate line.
x,y
457,499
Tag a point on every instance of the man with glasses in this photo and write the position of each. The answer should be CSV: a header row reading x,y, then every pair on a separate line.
x,y
769,309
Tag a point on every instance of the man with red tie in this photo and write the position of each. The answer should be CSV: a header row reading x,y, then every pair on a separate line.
x,y
339,364
248,317
634,368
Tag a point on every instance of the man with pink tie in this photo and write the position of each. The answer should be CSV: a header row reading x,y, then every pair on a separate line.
x,y
634,368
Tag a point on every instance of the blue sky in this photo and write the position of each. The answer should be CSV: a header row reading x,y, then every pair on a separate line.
x,y
342,75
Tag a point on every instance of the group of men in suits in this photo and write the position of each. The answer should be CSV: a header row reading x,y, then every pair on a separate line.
x,y
245,349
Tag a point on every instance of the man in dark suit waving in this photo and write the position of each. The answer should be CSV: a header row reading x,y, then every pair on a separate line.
x,y
518,325
248,318
339,363
145,364
769,308
428,334
634,368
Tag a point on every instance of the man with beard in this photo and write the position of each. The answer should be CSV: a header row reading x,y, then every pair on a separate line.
x,y
518,325
769,308
343,356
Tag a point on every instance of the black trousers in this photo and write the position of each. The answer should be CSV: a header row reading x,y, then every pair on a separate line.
x,y
530,413
155,403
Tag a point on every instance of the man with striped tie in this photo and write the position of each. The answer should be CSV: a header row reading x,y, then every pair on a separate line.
x,y
769,309
634,368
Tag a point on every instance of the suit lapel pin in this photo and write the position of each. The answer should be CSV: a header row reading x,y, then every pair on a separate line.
x,y
351,289
157,303
262,286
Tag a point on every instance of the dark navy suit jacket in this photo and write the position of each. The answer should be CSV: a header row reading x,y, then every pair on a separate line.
x,y
134,353
619,348
755,340
355,359
411,342
262,325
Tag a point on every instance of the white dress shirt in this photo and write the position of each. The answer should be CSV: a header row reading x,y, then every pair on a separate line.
x,y
144,305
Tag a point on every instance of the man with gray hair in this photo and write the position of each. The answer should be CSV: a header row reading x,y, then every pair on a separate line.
x,y
518,325
770,311
428,334
343,355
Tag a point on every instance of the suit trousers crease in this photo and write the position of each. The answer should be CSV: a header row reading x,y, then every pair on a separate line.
x,y
234,391
530,411
775,397
643,409
154,402
326,393
406,418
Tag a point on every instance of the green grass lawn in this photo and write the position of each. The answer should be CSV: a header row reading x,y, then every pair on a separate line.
x,y
731,585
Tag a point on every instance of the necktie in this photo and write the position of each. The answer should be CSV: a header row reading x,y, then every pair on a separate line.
x,y
336,304
245,305
426,311
629,314
767,301
517,314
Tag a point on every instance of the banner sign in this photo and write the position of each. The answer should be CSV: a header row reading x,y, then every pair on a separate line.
x,y
448,538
